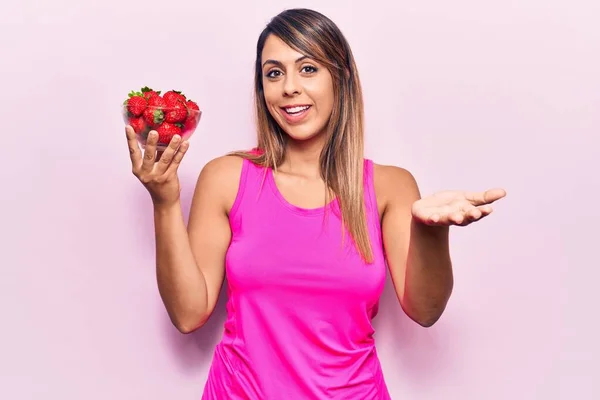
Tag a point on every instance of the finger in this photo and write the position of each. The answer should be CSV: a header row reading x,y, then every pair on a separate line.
x,y
134,148
487,197
493,195
167,156
432,219
473,214
456,218
439,216
183,148
485,210
470,212
150,152
428,217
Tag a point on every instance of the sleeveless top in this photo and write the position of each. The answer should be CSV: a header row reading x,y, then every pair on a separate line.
x,y
300,300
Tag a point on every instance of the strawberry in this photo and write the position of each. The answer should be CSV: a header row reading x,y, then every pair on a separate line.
x,y
138,124
190,123
192,105
176,111
154,115
173,95
148,93
157,101
192,119
166,131
136,103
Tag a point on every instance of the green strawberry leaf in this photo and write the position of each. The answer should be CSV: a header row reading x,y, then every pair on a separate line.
x,y
158,116
146,89
134,93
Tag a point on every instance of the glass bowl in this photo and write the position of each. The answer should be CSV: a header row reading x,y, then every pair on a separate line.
x,y
166,120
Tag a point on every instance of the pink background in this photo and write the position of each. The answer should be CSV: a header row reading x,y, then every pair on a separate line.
x,y
465,94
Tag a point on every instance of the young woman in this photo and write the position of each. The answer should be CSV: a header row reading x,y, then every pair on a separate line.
x,y
304,228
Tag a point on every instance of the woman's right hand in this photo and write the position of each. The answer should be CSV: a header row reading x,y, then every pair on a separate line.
x,y
159,177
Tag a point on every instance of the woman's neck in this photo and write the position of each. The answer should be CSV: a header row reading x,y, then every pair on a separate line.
x,y
303,158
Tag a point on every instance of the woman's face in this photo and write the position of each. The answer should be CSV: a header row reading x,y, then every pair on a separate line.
x,y
298,91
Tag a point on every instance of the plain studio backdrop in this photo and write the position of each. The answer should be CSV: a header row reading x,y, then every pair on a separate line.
x,y
465,94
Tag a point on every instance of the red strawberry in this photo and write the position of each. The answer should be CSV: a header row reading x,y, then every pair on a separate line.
x,y
192,105
157,101
190,124
173,95
148,93
192,119
166,131
155,113
153,116
138,124
136,104
176,111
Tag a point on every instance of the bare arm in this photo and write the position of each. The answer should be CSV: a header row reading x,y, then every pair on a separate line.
x,y
417,254
190,262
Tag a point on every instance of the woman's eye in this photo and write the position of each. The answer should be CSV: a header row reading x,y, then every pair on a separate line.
x,y
273,74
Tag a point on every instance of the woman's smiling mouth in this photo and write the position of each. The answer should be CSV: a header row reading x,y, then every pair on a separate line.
x,y
295,113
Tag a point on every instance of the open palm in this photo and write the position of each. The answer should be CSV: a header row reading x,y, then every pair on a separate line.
x,y
455,207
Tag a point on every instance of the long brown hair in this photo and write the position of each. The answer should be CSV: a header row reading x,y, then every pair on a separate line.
x,y
315,35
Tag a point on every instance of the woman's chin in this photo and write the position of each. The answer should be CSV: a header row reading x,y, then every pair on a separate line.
x,y
303,136
303,133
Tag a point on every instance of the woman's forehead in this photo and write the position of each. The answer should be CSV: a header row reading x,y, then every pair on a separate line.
x,y
277,50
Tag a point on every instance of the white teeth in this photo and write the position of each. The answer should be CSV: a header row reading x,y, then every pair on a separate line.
x,y
295,110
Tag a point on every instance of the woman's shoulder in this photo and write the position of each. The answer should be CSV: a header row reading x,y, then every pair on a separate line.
x,y
223,168
392,174
221,177
392,182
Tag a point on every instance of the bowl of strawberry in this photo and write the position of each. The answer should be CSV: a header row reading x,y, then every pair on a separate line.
x,y
169,114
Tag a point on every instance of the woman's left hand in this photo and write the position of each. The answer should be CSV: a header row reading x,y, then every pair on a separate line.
x,y
461,208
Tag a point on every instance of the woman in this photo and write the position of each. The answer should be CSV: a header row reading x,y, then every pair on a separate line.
x,y
304,227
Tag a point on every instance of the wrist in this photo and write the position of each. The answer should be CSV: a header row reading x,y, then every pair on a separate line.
x,y
430,231
165,208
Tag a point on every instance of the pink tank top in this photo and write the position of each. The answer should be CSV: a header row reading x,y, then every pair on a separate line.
x,y
300,301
